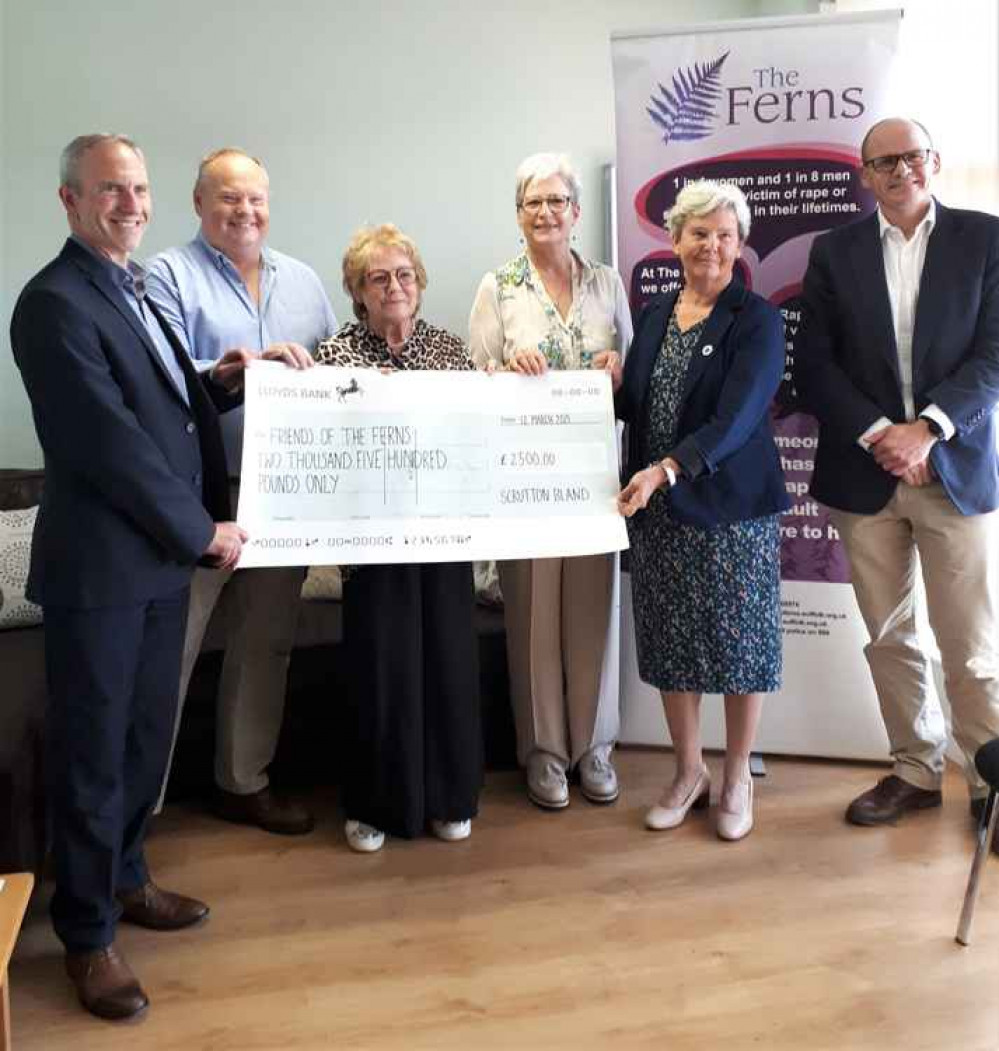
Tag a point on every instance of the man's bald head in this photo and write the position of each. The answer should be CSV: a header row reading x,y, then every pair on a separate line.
x,y
888,123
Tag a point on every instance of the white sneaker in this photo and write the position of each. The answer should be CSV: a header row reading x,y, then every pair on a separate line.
x,y
597,776
365,839
451,831
547,786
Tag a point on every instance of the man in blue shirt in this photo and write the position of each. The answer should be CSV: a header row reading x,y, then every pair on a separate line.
x,y
226,289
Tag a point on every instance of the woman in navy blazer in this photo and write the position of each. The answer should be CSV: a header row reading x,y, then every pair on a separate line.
x,y
703,500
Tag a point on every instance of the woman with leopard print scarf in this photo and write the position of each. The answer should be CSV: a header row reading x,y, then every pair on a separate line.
x,y
414,747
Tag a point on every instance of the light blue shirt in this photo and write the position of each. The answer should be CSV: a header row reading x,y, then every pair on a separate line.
x,y
130,281
209,307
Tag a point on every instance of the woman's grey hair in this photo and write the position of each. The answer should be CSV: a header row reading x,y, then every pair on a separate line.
x,y
543,165
704,196
72,155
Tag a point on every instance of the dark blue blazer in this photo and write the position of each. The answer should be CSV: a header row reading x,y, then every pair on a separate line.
x,y
134,477
724,432
847,370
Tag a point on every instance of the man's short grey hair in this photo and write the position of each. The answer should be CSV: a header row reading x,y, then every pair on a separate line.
x,y
543,165
704,196
72,155
227,151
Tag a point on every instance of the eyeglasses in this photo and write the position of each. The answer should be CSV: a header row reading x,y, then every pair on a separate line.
x,y
889,162
405,275
557,204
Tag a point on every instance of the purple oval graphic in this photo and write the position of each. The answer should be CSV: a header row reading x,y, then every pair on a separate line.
x,y
791,191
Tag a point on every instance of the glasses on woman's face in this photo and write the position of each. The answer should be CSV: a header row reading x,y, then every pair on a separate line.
x,y
381,279
889,162
557,204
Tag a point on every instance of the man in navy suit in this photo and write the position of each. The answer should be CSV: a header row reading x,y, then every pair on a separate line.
x,y
899,361
135,495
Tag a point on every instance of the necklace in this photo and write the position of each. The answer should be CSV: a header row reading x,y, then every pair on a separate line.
x,y
689,314
560,291
563,344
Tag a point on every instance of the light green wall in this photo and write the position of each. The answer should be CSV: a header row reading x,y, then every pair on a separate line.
x,y
412,112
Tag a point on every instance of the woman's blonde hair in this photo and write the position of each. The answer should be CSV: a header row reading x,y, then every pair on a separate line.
x,y
358,254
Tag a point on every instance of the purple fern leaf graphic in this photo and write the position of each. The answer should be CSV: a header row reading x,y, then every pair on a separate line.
x,y
687,112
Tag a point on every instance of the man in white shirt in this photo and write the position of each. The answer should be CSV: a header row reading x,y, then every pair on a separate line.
x,y
898,358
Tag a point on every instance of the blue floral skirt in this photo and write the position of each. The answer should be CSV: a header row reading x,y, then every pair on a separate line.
x,y
707,604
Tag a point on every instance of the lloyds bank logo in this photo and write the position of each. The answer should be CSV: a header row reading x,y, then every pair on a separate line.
x,y
687,113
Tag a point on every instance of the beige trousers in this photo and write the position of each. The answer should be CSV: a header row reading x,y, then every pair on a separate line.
x,y
261,608
562,651
959,559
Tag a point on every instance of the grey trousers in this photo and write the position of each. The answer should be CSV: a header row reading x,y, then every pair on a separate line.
x,y
563,653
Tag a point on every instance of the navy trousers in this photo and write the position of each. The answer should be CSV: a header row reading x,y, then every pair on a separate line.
x,y
113,676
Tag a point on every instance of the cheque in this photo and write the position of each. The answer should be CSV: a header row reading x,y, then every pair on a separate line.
x,y
353,466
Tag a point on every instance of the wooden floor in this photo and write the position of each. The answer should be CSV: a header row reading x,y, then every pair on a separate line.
x,y
569,930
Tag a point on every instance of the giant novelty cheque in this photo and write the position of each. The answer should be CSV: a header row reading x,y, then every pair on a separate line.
x,y
357,466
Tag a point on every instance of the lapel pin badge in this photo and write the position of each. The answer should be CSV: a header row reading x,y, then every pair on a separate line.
x,y
707,350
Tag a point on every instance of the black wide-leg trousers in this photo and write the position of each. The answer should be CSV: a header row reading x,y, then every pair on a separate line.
x,y
414,738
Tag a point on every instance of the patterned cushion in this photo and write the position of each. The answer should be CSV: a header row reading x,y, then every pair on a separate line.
x,y
20,488
323,584
15,548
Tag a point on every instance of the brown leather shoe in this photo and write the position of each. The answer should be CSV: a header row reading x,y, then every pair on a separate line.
x,y
888,800
105,984
264,810
160,910
977,807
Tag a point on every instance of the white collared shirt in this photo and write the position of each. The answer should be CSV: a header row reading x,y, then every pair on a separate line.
x,y
904,259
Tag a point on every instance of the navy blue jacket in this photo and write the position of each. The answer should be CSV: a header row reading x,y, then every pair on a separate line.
x,y
847,370
724,432
134,478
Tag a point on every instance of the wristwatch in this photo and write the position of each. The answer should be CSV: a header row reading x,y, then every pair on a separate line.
x,y
667,470
935,429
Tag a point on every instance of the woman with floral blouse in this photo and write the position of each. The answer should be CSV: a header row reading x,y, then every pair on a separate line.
x,y
414,749
551,308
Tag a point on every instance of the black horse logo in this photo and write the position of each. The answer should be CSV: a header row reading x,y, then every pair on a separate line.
x,y
352,388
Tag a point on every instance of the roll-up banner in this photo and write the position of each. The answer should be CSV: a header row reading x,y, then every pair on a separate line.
x,y
779,107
